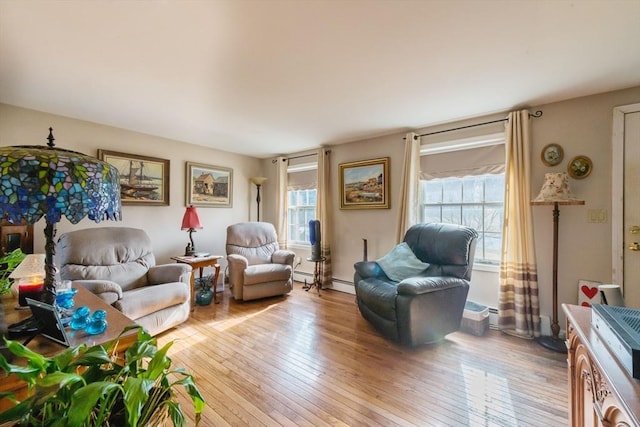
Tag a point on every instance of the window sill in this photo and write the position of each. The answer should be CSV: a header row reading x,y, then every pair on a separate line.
x,y
486,267
298,245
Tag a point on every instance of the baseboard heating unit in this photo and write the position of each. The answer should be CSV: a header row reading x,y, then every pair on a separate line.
x,y
619,328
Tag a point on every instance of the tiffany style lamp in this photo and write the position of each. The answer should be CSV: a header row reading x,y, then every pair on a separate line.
x,y
44,181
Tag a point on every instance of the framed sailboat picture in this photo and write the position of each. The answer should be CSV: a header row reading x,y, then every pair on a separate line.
x,y
143,180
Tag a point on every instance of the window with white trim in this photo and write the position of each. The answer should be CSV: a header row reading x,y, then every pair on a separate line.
x,y
301,201
466,186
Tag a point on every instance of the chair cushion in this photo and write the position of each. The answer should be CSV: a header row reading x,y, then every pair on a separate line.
x,y
401,263
123,255
262,273
140,302
256,241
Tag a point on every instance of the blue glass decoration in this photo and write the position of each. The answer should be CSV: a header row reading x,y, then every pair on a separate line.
x,y
64,299
80,318
98,323
45,181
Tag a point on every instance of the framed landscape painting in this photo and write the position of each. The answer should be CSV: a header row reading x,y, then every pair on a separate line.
x,y
144,180
364,184
209,186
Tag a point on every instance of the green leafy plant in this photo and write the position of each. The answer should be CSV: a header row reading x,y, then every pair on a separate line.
x,y
8,263
89,386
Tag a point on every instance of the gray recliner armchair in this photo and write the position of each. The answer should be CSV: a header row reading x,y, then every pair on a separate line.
x,y
257,266
422,306
117,264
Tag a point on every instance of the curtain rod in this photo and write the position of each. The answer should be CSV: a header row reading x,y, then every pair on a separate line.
x,y
299,157
536,115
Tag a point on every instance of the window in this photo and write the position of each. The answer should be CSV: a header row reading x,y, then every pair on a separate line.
x,y
301,208
302,178
474,201
462,182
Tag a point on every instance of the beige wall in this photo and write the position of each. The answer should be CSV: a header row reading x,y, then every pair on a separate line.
x,y
582,126
20,126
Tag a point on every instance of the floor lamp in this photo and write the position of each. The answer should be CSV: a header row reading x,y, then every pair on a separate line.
x,y
555,191
258,181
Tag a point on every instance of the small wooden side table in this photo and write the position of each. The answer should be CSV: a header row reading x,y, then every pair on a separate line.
x,y
317,274
200,263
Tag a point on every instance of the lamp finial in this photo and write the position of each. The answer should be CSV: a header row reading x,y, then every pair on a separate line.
x,y
51,138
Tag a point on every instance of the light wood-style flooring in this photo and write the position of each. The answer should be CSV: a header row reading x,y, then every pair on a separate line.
x,y
305,360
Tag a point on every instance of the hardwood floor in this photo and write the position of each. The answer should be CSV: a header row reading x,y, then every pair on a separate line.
x,y
304,360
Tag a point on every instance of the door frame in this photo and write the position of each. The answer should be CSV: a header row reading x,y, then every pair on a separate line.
x,y
617,192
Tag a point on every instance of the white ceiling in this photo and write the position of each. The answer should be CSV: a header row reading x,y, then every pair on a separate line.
x,y
276,77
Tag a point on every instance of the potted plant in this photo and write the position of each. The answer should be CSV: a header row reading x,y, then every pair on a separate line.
x,y
90,386
204,289
8,263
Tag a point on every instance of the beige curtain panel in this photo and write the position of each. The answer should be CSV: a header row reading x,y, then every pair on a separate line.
x,y
281,201
323,213
518,310
408,198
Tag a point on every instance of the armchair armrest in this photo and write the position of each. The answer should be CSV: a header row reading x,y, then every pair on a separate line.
x,y
167,273
105,289
236,264
283,256
423,284
369,269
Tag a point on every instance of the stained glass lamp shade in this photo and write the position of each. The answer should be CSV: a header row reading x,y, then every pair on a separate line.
x,y
45,181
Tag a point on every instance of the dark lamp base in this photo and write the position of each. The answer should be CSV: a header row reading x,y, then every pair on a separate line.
x,y
554,344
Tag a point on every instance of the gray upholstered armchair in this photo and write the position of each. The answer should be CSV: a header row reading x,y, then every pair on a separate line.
x,y
424,299
258,268
116,263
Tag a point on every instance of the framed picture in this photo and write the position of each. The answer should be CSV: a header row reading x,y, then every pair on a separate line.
x,y
580,167
364,184
552,154
144,180
209,186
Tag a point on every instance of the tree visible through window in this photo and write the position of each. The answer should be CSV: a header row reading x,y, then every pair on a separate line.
x,y
475,201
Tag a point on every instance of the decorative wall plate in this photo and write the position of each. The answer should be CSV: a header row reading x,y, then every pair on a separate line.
x,y
580,167
552,154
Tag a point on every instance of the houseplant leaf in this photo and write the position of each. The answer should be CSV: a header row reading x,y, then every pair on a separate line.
x,y
84,400
136,394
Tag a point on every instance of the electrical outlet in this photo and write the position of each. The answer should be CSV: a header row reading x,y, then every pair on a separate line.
x,y
597,216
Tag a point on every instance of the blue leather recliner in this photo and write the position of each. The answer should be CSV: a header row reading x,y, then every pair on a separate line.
x,y
424,307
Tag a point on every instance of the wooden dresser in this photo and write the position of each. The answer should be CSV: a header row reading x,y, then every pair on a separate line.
x,y
601,391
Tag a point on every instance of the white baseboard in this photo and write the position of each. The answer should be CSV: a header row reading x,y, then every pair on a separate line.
x,y
336,284
545,323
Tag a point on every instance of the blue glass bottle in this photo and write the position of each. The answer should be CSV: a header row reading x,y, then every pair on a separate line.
x,y
98,323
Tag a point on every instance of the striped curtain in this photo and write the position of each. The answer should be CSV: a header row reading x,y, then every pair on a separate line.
x,y
518,310
323,213
408,203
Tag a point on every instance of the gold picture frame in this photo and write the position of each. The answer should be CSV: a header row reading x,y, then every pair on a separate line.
x,y
208,186
579,167
364,184
144,180
552,154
